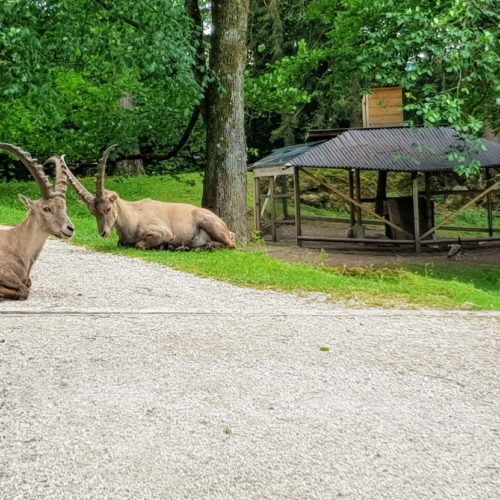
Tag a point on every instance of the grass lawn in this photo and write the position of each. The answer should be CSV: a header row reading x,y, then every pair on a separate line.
x,y
449,286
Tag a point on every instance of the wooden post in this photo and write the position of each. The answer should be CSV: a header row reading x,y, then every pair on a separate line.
x,y
296,189
381,192
351,195
284,191
416,214
489,204
256,203
359,220
272,192
428,202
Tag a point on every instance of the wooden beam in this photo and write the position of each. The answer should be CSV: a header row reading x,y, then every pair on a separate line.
x,y
351,194
441,241
256,203
416,212
381,192
272,171
428,200
357,240
334,190
273,207
357,177
489,204
463,207
284,195
296,189
459,193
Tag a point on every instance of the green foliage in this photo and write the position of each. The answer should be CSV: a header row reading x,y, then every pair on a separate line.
x,y
278,89
443,287
76,76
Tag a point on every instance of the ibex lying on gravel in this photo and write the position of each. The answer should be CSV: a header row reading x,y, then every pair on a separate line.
x,y
20,246
151,224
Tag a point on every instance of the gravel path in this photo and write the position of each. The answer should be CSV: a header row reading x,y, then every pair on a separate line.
x,y
120,379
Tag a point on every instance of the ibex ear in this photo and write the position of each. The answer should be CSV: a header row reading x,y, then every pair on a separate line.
x,y
26,201
112,198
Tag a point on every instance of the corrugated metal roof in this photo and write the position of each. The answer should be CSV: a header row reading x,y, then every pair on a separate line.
x,y
393,149
283,155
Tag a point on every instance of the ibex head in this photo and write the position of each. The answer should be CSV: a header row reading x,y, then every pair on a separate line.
x,y
103,204
50,211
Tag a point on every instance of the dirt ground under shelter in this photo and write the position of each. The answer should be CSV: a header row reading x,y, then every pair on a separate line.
x,y
360,254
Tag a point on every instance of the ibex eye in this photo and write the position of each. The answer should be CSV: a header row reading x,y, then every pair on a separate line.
x,y
47,209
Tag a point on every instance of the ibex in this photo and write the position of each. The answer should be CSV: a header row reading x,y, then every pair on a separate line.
x,y
21,245
148,223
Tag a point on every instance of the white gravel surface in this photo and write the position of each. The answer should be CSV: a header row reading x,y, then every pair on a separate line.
x,y
120,379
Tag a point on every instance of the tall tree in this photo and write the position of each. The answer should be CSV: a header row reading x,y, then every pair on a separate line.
x,y
224,188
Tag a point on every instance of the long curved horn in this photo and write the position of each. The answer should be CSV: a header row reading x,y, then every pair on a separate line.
x,y
31,164
81,191
101,168
61,183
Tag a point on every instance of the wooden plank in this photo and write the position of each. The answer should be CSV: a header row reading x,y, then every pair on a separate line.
x,y
357,178
385,101
386,120
277,196
392,113
272,171
428,201
256,203
454,240
352,215
416,212
461,193
468,229
489,203
296,189
357,240
273,207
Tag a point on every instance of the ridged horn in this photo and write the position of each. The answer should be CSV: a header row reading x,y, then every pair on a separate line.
x,y
101,169
31,164
61,183
81,192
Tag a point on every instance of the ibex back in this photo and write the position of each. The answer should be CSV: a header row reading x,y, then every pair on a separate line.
x,y
148,223
20,246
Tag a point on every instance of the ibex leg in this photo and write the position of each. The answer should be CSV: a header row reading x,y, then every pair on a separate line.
x,y
216,228
14,292
154,238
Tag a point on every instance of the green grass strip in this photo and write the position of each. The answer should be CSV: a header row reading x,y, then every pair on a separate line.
x,y
450,286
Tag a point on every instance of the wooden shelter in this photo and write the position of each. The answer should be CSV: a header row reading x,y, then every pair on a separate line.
x,y
419,152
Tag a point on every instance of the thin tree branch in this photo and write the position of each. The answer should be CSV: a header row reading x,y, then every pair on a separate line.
x,y
125,19
175,151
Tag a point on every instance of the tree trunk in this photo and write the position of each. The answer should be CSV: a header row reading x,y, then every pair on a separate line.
x,y
224,187
130,167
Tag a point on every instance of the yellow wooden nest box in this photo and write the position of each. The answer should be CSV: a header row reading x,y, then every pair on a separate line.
x,y
383,107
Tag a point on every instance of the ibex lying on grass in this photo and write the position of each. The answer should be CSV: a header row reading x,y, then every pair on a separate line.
x,y
148,223
20,246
